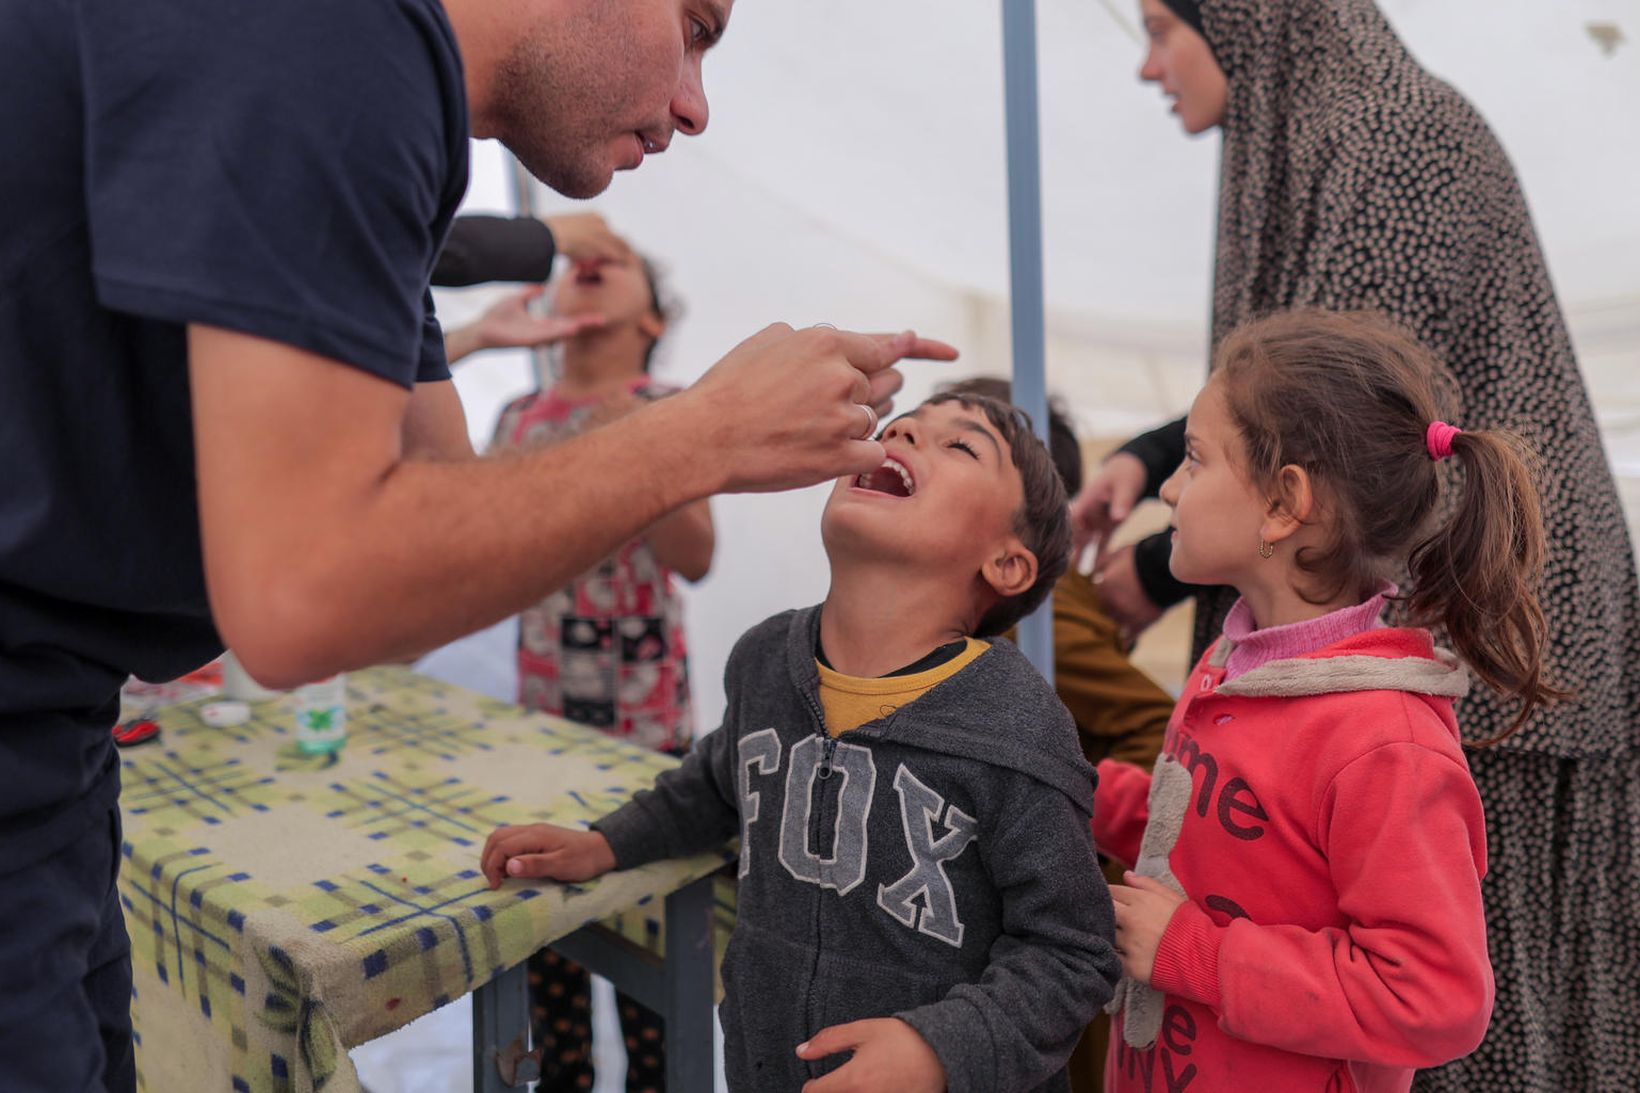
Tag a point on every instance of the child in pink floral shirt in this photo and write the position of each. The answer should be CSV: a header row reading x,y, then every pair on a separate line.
x,y
608,650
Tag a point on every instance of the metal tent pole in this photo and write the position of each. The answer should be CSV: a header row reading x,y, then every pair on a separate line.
x,y
1025,261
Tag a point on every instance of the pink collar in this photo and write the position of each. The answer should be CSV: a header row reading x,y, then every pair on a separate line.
x,y
554,396
1252,647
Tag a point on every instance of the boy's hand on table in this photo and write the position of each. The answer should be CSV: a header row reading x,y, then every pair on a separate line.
x,y
1144,907
545,850
889,1055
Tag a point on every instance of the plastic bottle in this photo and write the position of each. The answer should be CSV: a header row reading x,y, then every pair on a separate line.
x,y
321,715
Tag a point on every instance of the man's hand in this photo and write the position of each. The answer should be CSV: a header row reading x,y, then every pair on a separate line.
x,y
1123,596
545,850
1144,907
585,235
1107,499
419,551
889,1057
787,408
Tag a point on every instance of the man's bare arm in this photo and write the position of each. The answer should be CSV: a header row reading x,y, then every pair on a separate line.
x,y
327,548
684,540
435,425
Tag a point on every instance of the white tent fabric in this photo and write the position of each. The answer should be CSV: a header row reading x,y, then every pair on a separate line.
x,y
854,173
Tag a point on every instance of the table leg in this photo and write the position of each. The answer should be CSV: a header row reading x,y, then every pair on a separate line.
x,y
680,988
688,989
501,1032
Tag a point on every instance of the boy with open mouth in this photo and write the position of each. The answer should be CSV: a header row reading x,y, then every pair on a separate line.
x,y
920,903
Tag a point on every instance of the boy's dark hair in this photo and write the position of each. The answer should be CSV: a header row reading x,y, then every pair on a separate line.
x,y
1349,397
1062,443
1042,523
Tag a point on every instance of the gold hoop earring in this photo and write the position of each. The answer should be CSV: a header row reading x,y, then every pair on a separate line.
x,y
1266,550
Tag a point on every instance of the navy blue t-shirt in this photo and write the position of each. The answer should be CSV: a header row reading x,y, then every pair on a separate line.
x,y
284,168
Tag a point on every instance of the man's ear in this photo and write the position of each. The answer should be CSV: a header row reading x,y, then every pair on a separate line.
x,y
1010,570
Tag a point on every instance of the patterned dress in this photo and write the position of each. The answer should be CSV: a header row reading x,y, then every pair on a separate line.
x,y
608,649
1352,178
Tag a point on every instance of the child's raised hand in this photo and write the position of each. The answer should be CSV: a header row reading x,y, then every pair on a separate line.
x,y
545,850
1144,907
511,323
1107,499
889,1056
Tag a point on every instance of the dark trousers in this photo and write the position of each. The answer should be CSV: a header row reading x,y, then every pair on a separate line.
x,y
65,972
561,1016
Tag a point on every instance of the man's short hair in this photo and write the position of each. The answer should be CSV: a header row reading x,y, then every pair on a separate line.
x,y
1043,520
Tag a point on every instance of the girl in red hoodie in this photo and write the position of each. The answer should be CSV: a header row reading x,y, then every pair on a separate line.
x,y
1304,910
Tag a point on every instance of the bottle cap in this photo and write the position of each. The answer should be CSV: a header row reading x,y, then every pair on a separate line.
x,y
220,715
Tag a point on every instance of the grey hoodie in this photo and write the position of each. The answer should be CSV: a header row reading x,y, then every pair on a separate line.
x,y
935,865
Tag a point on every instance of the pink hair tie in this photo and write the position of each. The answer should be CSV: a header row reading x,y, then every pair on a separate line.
x,y
1438,439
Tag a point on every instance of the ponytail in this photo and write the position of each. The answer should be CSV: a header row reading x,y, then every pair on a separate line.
x,y
1479,575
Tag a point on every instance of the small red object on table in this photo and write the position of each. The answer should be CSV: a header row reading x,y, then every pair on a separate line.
x,y
128,734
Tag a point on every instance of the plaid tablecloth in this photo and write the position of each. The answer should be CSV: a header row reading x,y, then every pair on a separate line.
x,y
285,907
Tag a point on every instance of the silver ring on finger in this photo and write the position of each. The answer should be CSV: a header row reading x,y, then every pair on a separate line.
x,y
871,420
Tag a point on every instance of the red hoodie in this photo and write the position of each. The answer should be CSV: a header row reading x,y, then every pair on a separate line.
x,y
1319,815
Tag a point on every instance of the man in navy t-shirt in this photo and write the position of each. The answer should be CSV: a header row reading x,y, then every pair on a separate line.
x,y
224,405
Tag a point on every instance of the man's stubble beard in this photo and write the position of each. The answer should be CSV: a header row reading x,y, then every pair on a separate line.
x,y
549,118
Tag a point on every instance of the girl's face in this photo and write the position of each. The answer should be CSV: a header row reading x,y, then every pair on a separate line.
x,y
1179,59
617,289
1218,514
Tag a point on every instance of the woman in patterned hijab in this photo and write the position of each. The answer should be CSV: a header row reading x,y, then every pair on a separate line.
x,y
1352,178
